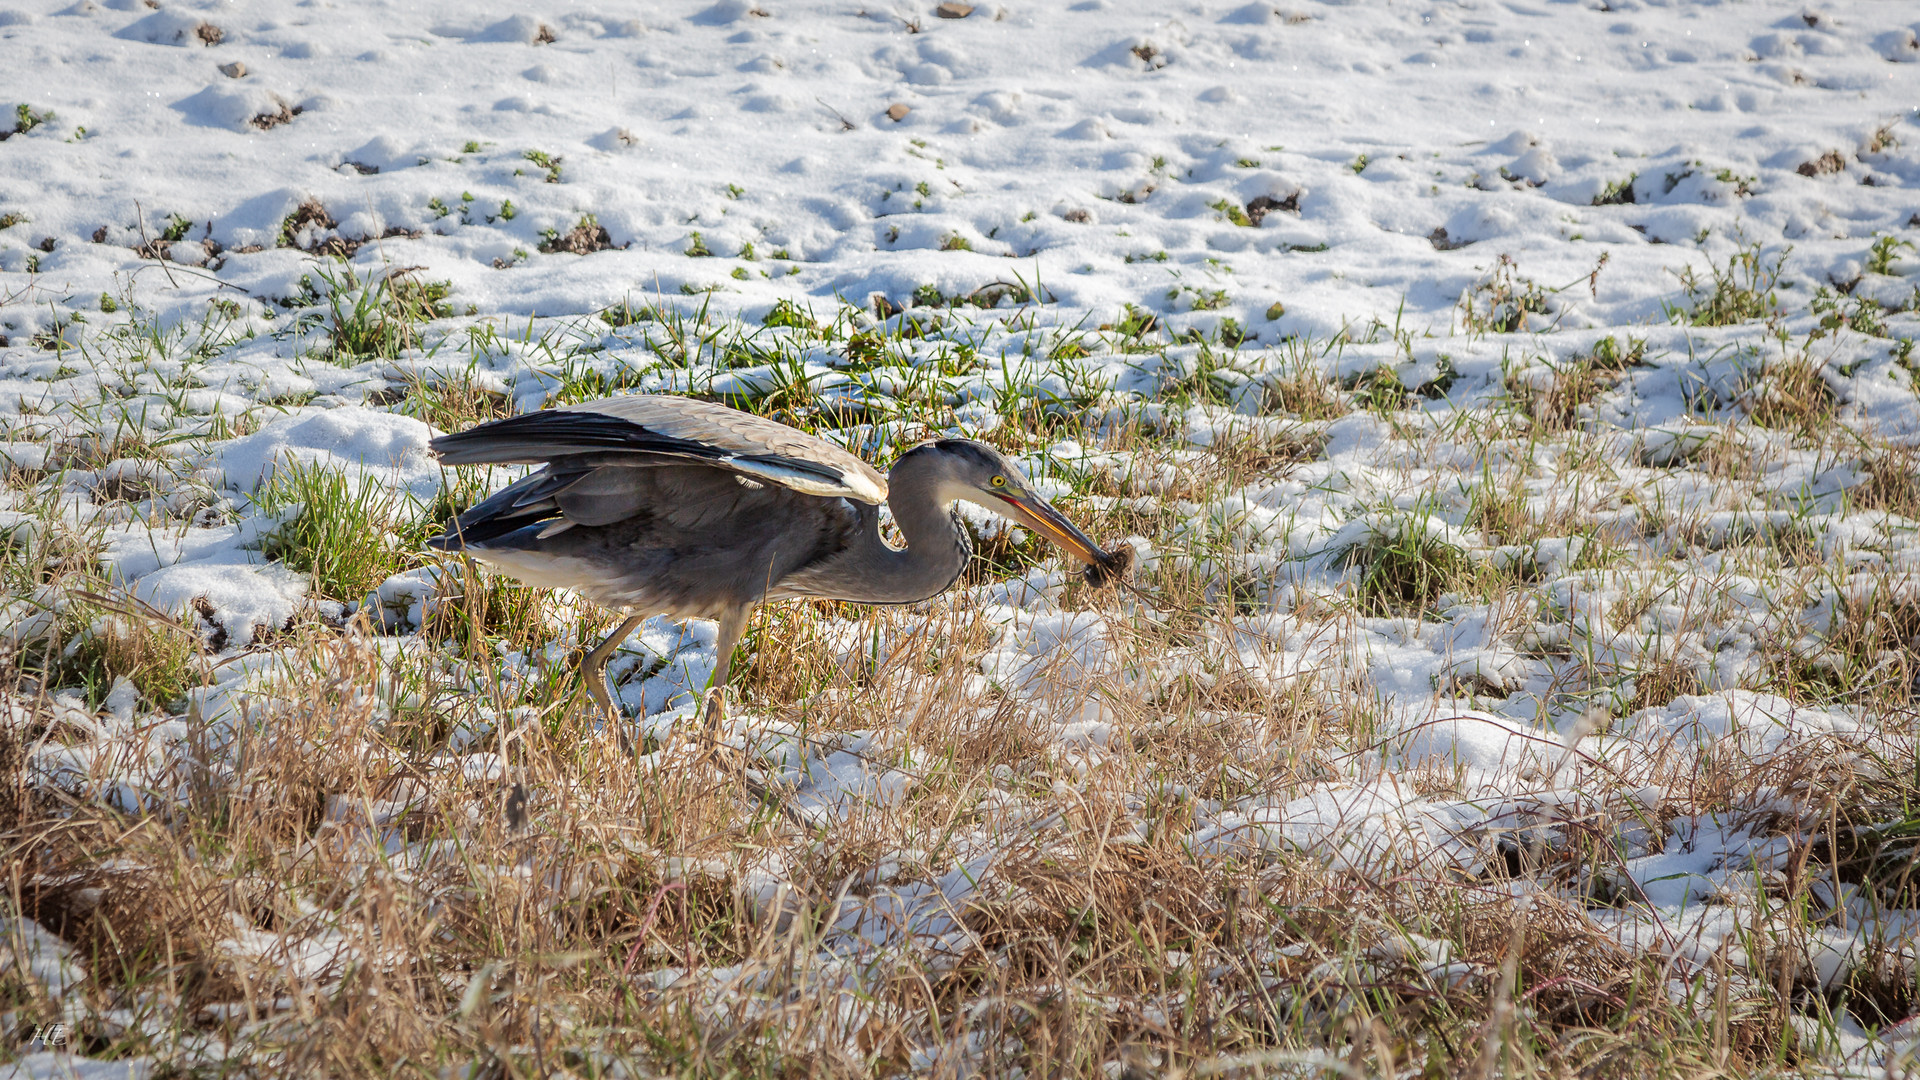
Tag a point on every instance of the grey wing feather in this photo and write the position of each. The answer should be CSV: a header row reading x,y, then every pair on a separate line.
x,y
643,430
603,497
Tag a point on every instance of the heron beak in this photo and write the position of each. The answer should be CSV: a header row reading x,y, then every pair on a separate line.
x,y
1040,516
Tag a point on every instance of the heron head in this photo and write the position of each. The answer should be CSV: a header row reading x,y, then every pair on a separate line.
x,y
980,474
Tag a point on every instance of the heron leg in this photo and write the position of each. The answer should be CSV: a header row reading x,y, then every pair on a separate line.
x,y
593,666
733,625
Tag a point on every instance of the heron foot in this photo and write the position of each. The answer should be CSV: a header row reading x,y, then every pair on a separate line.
x,y
715,702
600,689
593,672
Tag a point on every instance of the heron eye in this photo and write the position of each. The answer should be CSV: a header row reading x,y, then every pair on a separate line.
x,y
999,481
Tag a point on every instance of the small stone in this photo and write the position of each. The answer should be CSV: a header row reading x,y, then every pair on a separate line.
x,y
234,70
898,111
950,9
1276,310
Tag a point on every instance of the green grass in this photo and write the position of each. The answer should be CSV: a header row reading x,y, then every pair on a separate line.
x,y
378,316
113,638
346,533
1885,253
1232,212
26,118
1616,193
1405,566
1740,290
1503,302
546,161
789,315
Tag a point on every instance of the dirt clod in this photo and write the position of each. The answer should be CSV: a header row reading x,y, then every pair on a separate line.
x,y
1825,165
283,114
309,213
583,239
1262,205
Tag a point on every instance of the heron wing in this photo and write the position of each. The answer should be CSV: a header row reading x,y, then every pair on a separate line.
x,y
643,430
686,539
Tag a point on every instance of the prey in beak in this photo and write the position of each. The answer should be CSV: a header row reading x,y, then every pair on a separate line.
x,y
1038,514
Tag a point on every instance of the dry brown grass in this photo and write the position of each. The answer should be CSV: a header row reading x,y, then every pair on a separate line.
x,y
510,930
1306,392
1893,481
1868,652
1663,679
477,607
112,638
1559,404
1559,401
448,403
1792,395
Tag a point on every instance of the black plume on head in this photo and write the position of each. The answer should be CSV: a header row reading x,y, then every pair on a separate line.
x,y
967,450
977,451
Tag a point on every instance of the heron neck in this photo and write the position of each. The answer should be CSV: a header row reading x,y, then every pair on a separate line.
x,y
938,546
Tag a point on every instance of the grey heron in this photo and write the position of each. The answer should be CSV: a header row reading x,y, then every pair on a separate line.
x,y
668,505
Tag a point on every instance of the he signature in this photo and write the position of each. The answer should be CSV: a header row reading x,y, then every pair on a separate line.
x,y
49,1035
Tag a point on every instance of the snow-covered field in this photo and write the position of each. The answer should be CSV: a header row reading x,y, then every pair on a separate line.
x,y
1513,405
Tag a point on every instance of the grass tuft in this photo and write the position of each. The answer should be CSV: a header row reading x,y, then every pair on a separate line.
x,y
1740,291
348,533
1793,395
1405,566
379,316
1503,302
110,639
